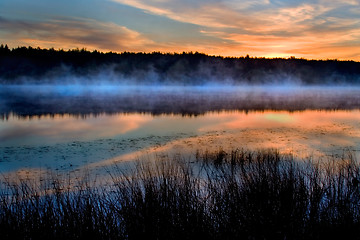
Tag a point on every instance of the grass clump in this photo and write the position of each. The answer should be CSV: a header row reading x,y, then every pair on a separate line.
x,y
237,195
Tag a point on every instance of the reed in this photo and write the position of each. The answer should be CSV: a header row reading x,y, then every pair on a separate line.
x,y
223,195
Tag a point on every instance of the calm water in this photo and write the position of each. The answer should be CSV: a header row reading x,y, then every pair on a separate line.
x,y
71,142
74,127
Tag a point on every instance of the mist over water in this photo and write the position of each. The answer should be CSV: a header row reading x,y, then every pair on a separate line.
x,y
82,82
63,125
83,99
74,110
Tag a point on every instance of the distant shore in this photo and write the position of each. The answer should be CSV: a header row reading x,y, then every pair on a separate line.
x,y
36,65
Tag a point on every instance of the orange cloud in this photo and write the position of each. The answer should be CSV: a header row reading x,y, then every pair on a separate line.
x,y
74,33
311,30
314,29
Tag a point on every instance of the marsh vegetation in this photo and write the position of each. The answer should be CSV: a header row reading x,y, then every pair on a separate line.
x,y
222,195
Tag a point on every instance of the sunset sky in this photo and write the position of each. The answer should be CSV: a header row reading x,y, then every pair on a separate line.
x,y
314,29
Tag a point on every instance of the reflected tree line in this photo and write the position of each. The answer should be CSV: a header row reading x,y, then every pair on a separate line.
x,y
187,68
29,103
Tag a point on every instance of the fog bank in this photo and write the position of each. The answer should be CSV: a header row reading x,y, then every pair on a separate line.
x,y
35,100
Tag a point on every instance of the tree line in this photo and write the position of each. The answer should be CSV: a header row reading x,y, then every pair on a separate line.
x,y
187,68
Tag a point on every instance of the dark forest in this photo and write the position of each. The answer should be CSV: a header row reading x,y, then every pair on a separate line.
x,y
36,65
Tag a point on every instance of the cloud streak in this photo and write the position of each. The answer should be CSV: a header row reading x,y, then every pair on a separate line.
x,y
317,29
288,29
73,33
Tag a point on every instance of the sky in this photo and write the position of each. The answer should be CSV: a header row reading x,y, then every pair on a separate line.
x,y
313,29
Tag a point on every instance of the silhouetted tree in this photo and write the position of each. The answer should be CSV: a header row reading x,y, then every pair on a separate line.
x,y
171,68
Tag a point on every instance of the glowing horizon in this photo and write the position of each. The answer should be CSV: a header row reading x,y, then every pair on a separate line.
x,y
313,29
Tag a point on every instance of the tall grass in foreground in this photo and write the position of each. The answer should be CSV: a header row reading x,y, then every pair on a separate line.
x,y
237,195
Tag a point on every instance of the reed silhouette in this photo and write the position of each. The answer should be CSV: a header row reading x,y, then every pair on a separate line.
x,y
237,195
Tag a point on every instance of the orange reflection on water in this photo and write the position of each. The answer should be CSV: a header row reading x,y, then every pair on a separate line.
x,y
304,134
57,128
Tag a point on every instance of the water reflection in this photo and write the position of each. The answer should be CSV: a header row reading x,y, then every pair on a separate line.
x,y
67,142
302,133
34,100
63,128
